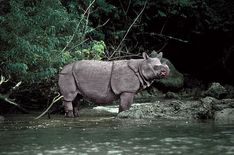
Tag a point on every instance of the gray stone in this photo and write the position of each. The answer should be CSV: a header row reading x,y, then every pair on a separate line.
x,y
172,95
205,110
169,109
230,91
225,116
216,90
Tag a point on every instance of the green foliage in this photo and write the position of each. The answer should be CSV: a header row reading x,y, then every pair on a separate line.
x,y
35,34
94,50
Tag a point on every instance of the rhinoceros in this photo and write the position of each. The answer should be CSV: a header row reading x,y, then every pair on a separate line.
x,y
105,81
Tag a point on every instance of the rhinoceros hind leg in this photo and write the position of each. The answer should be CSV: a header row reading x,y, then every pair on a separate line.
x,y
68,109
76,105
68,106
126,100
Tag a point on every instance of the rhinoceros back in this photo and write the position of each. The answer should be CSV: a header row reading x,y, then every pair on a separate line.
x,y
93,79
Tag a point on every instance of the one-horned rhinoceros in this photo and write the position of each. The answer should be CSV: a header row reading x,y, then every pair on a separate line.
x,y
106,81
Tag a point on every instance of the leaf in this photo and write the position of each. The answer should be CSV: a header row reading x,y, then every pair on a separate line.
x,y
161,13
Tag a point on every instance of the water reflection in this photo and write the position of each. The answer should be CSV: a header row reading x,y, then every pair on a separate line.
x,y
107,135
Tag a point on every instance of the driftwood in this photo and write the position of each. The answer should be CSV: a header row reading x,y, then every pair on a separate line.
x,y
55,99
5,97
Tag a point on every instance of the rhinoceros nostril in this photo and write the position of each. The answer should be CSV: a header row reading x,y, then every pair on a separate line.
x,y
163,73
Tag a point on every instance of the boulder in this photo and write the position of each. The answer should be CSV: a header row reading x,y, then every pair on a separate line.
x,y
172,95
169,109
230,90
205,109
225,116
216,90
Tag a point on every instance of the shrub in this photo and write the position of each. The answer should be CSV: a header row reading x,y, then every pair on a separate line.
x,y
34,35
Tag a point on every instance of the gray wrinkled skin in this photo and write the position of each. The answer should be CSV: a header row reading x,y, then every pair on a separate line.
x,y
105,81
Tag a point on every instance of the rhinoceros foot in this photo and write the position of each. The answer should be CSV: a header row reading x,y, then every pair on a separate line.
x,y
76,112
69,114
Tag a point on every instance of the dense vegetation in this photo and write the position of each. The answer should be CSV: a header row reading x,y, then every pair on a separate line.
x,y
38,37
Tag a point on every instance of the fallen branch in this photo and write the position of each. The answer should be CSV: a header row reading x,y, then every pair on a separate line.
x,y
5,97
3,80
55,99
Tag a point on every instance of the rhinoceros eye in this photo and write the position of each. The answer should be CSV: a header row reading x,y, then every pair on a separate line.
x,y
155,67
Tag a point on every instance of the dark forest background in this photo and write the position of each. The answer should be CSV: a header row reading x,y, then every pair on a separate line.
x,y
38,37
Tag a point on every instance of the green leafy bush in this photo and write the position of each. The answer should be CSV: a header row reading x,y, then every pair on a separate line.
x,y
35,34
38,38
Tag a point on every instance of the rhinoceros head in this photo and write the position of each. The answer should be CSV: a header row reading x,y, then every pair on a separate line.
x,y
152,68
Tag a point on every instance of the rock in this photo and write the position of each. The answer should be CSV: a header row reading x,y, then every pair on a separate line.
x,y
175,109
225,116
205,110
223,104
172,95
169,109
230,90
216,90
208,100
174,81
138,111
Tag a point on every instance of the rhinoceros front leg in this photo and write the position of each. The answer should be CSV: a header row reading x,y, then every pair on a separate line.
x,y
126,100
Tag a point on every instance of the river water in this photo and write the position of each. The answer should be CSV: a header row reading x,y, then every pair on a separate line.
x,y
21,134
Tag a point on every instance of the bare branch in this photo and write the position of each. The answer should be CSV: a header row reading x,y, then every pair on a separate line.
x,y
163,27
128,31
98,26
129,3
78,25
170,37
164,45
3,80
17,85
55,99
166,37
86,24
6,99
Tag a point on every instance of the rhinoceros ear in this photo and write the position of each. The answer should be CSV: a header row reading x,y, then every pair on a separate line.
x,y
145,56
160,55
164,61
